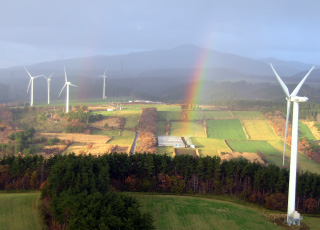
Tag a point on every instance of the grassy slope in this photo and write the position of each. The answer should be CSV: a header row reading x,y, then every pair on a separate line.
x,y
183,129
178,212
226,129
217,114
304,131
209,147
259,130
163,150
247,114
126,137
253,147
19,211
171,115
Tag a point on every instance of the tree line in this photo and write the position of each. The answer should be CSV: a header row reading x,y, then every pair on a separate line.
x,y
265,185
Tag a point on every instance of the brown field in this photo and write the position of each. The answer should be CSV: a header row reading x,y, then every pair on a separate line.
x,y
83,143
114,122
252,157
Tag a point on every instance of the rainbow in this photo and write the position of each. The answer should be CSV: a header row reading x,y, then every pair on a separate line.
x,y
193,94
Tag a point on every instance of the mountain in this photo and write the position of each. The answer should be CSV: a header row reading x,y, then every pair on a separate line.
x,y
185,60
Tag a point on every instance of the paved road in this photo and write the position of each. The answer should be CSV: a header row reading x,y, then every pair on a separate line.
x,y
134,144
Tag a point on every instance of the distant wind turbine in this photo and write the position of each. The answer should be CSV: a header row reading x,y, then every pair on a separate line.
x,y
104,84
31,83
48,81
67,83
292,215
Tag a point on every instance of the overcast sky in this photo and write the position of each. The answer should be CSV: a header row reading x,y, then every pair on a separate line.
x,y
35,30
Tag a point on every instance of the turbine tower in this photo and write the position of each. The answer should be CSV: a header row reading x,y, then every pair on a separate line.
x,y
293,216
104,84
67,83
48,81
31,83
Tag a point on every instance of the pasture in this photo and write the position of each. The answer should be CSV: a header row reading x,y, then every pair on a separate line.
x,y
183,129
210,147
253,147
247,114
165,150
226,129
194,115
169,115
118,137
217,115
19,211
161,130
259,130
304,131
179,212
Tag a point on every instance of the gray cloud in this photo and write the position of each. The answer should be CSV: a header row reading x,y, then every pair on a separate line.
x,y
34,31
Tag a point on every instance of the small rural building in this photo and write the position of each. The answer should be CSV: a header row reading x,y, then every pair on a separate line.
x,y
170,141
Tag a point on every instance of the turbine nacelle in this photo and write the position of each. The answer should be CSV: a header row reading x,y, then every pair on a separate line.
x,y
298,99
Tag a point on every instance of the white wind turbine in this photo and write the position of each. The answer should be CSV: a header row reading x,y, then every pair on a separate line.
x,y
104,84
48,81
31,83
292,215
67,83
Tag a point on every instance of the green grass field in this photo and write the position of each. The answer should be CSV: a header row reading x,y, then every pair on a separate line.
x,y
178,212
226,129
19,211
194,115
163,150
183,129
126,137
209,147
247,114
217,114
304,131
169,115
253,147
132,117
161,130
259,130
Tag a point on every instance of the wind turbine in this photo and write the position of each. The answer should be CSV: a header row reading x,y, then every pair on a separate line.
x,y
104,84
292,215
67,83
31,83
48,81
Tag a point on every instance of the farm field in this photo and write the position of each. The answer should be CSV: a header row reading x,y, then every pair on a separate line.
x,y
194,115
132,118
253,147
19,211
247,114
210,147
178,212
183,129
304,131
161,130
163,150
126,137
259,130
226,129
171,115
217,114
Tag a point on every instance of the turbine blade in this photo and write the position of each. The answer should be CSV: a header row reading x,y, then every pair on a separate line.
x,y
29,86
286,130
28,72
296,90
62,89
284,87
73,85
65,74
105,72
51,75
38,76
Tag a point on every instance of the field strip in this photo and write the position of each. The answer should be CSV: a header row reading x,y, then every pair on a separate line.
x,y
78,137
245,130
231,114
